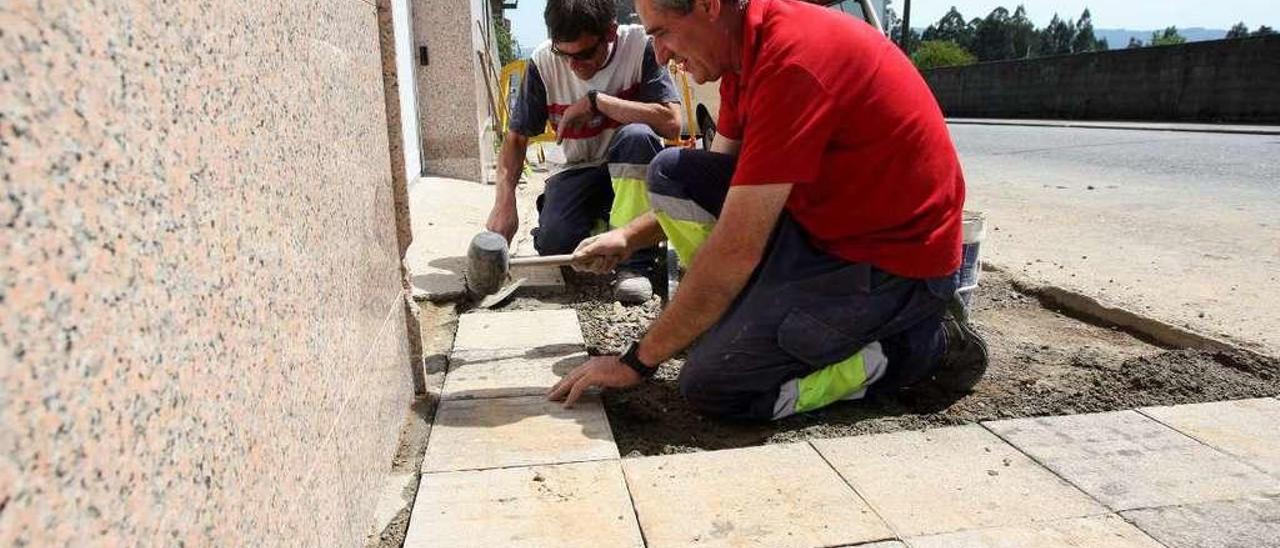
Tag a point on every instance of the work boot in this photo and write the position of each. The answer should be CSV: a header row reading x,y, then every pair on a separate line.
x,y
631,287
965,360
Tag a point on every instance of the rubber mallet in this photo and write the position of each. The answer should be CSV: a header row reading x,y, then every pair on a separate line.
x,y
488,263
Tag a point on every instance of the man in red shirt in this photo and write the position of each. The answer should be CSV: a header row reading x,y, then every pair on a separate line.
x,y
821,232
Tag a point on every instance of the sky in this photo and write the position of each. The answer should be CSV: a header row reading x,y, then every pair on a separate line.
x,y
529,29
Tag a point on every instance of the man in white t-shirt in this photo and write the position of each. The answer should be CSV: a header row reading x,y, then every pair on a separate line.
x,y
600,85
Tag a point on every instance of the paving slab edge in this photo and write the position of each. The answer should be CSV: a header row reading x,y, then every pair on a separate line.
x,y
1145,411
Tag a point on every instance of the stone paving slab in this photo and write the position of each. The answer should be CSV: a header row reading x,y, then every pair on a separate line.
x,y
1252,522
1127,460
508,377
501,432
445,214
528,334
772,496
950,479
1247,429
568,505
1105,531
540,278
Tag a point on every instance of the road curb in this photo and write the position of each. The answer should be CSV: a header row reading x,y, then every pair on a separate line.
x,y
1087,308
1232,130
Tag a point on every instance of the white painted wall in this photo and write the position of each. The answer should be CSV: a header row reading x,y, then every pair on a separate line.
x,y
402,23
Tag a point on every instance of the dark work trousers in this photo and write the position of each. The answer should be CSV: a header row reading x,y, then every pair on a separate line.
x,y
802,309
578,201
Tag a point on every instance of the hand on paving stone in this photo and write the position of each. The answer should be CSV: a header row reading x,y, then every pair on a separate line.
x,y
599,254
600,371
578,114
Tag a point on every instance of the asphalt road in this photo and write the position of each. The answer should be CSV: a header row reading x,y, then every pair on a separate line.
x,y
1184,227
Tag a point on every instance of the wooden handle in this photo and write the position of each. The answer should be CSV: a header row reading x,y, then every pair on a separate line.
x,y
549,260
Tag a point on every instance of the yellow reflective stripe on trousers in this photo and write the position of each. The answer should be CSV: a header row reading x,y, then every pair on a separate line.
x,y
630,200
686,237
831,383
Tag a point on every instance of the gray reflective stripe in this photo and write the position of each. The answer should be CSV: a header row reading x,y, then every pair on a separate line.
x,y
874,361
628,171
680,209
786,404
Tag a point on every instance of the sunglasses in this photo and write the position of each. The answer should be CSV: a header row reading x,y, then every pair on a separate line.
x,y
582,56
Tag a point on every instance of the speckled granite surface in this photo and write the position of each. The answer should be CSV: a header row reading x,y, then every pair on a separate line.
x,y
203,331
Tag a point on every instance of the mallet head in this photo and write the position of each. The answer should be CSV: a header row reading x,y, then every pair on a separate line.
x,y
487,263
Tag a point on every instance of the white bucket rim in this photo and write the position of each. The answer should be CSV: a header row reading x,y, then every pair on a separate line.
x,y
973,226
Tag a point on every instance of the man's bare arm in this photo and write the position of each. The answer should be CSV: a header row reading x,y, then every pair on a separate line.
x,y
720,271
725,145
600,254
503,218
664,118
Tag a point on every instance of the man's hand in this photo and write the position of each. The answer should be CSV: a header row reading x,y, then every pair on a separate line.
x,y
577,115
601,253
504,219
600,371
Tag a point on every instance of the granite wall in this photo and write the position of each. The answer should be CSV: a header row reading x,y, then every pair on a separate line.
x,y
1216,81
203,329
400,176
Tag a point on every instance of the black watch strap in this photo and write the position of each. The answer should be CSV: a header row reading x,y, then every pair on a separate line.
x,y
591,96
631,358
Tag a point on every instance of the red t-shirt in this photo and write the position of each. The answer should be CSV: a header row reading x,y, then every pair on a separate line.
x,y
826,103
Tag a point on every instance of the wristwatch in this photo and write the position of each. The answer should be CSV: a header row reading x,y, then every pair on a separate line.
x,y
591,96
631,358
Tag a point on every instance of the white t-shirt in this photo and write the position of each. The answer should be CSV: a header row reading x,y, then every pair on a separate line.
x,y
631,72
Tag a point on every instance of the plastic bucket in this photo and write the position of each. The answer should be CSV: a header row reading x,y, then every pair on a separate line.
x,y
971,262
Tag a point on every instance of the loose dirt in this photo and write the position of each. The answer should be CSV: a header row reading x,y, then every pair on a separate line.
x,y
1042,363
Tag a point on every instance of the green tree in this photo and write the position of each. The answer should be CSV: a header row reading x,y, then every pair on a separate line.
x,y
1263,31
896,36
1023,31
952,27
940,53
1084,39
1168,37
506,45
1239,30
894,23
1134,43
993,38
1103,45
1056,38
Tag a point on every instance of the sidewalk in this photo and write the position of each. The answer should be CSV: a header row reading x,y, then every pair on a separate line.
x,y
1141,126
505,467
446,214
